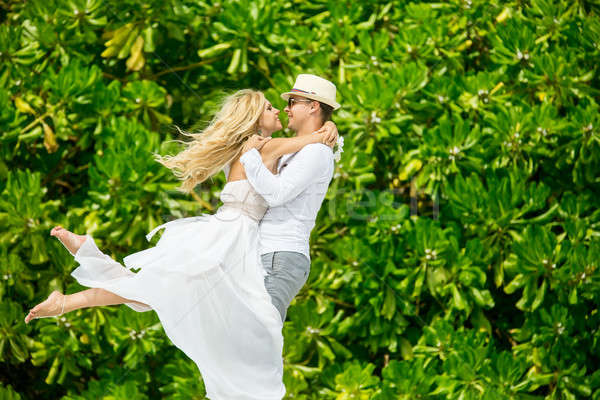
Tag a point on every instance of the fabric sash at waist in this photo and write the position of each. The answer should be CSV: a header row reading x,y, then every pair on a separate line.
x,y
176,222
184,221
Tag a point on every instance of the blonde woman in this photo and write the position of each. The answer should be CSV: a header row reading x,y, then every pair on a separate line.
x,y
204,278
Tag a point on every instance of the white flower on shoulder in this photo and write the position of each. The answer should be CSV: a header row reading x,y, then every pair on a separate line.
x,y
337,156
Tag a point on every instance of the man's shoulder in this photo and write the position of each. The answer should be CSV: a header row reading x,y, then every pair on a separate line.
x,y
320,156
317,148
314,152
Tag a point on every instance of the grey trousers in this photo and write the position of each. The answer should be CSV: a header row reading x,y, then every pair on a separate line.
x,y
287,272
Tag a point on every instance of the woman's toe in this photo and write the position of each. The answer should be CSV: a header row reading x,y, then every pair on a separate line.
x,y
29,317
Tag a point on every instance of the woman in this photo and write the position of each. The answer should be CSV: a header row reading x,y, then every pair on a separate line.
x,y
204,277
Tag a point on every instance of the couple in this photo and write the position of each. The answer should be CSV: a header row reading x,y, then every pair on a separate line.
x,y
220,294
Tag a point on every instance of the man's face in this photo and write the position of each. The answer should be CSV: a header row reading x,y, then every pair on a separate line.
x,y
298,110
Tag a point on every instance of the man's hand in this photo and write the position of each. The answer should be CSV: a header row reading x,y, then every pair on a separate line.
x,y
329,132
255,142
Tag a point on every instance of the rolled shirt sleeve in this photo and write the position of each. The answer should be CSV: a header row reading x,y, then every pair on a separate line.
x,y
310,164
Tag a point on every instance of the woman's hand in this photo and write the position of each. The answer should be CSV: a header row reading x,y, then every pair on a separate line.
x,y
329,133
255,142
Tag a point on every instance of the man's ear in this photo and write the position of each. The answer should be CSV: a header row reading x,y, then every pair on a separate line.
x,y
315,107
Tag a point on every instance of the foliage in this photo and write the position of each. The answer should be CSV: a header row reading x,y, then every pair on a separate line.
x,y
456,253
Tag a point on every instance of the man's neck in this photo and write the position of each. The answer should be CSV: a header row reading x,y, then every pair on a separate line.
x,y
309,127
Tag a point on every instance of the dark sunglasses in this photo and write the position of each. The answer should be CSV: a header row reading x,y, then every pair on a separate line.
x,y
292,101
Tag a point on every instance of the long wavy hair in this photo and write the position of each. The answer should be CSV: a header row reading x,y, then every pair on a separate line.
x,y
220,142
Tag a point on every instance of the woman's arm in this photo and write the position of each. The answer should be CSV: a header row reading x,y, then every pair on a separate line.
x,y
276,147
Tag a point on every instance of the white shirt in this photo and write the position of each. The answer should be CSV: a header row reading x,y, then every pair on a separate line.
x,y
294,195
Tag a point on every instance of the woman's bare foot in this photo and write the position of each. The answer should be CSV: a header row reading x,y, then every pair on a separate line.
x,y
52,306
69,239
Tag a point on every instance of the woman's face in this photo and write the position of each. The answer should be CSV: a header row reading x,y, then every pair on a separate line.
x,y
269,120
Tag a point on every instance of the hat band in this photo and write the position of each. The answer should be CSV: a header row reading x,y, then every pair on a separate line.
x,y
300,90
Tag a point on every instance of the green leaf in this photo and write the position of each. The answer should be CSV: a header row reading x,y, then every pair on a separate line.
x,y
517,283
458,298
235,61
389,304
214,50
539,296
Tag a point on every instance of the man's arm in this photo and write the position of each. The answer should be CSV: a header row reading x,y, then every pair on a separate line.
x,y
309,165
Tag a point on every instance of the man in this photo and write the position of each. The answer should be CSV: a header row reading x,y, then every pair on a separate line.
x,y
296,193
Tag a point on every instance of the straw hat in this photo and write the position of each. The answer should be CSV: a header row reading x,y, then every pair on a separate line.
x,y
315,88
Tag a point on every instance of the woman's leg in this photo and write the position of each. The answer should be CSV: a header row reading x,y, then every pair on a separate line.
x,y
93,297
58,303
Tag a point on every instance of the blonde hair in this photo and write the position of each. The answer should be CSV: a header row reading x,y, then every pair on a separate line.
x,y
220,142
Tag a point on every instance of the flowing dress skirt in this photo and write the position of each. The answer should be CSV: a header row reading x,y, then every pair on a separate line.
x,y
205,280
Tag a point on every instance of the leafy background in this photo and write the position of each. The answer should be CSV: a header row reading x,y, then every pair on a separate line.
x,y
456,254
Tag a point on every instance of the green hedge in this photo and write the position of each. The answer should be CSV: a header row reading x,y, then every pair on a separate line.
x,y
456,254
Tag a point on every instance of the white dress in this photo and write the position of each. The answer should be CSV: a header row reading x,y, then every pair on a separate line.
x,y
205,280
